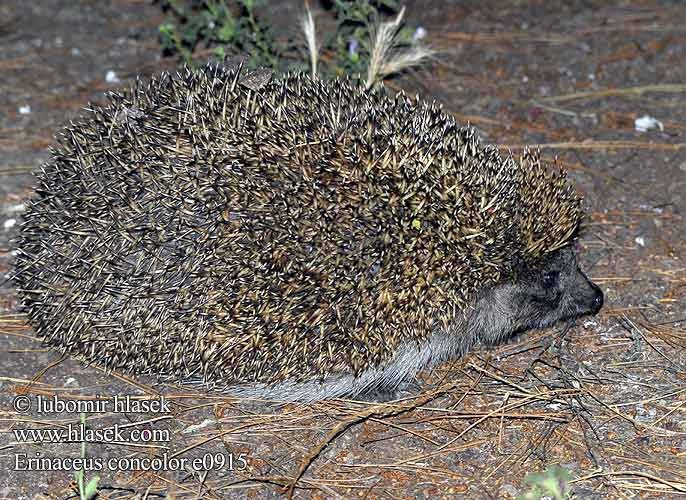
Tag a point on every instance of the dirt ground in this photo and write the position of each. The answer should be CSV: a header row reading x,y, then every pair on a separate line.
x,y
607,402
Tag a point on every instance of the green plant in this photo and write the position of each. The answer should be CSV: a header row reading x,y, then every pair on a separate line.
x,y
550,483
218,25
354,32
86,491
234,27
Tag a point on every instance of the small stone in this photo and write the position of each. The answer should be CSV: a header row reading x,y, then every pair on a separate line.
x,y
111,77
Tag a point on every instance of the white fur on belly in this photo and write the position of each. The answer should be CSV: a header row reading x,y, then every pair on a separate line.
x,y
410,358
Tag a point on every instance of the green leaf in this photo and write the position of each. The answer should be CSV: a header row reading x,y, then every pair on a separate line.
x,y
176,7
552,482
226,32
534,494
391,4
92,488
166,28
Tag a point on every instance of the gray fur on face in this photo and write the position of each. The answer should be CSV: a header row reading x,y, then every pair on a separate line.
x,y
556,290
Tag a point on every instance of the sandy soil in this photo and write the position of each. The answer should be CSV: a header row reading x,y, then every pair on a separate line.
x,y
607,402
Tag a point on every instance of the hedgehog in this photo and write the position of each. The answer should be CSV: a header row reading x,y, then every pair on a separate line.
x,y
290,238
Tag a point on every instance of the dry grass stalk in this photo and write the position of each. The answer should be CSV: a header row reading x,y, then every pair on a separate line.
x,y
386,58
308,27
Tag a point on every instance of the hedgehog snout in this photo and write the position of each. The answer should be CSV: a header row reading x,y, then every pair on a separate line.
x,y
591,298
598,300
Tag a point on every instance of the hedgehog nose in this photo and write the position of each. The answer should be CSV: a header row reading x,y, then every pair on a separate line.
x,y
597,300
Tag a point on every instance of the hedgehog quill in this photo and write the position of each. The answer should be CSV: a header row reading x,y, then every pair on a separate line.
x,y
290,239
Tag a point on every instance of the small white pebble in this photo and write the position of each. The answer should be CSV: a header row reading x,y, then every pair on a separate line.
x,y
640,241
25,109
196,427
111,77
525,79
75,51
419,33
645,123
9,223
509,490
14,209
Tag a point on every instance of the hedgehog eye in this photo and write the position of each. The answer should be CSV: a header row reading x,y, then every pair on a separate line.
x,y
550,279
